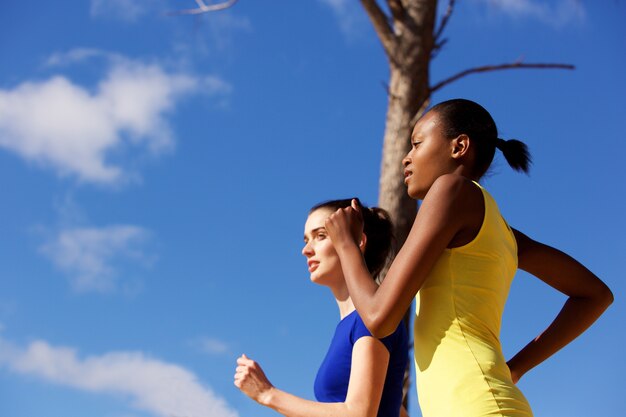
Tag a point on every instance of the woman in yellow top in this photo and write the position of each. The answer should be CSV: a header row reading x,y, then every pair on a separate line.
x,y
458,261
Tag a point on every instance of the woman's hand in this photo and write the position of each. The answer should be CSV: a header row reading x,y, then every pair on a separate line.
x,y
370,359
251,380
346,223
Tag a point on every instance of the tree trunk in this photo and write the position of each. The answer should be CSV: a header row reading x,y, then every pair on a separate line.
x,y
409,51
396,144
409,56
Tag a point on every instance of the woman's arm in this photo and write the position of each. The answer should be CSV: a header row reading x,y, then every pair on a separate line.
x,y
452,203
370,359
588,298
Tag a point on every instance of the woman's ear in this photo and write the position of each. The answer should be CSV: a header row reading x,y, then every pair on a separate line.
x,y
362,242
461,146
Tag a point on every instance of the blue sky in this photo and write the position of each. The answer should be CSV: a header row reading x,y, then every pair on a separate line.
x,y
156,173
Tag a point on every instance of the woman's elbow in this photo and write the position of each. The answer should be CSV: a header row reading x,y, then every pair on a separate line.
x,y
378,326
601,298
360,408
606,297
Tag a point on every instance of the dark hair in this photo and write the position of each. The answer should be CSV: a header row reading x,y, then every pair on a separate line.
x,y
377,227
460,116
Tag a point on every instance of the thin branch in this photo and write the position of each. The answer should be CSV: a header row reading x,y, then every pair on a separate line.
x,y
381,25
420,112
437,48
204,8
444,21
488,68
397,9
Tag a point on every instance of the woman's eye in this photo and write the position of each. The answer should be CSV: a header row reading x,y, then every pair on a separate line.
x,y
321,236
415,144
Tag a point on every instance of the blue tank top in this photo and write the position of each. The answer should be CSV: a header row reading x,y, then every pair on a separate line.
x,y
331,383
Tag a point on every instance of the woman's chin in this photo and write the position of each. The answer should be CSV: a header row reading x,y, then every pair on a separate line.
x,y
316,279
321,277
412,192
327,280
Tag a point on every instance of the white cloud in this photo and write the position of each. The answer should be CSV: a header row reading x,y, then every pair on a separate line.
x,y
77,55
160,388
338,6
67,127
214,33
223,27
129,10
558,13
88,254
350,16
212,346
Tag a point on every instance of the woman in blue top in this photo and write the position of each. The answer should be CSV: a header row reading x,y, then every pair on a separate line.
x,y
361,376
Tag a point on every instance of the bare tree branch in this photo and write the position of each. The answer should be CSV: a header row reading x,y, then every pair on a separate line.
x,y
443,24
397,9
381,25
488,68
420,112
204,8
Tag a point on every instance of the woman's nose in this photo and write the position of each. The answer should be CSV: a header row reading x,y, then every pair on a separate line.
x,y
307,250
406,161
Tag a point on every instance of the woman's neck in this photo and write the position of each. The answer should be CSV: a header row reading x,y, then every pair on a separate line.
x,y
344,302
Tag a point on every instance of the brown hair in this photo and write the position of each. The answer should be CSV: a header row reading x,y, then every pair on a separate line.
x,y
377,227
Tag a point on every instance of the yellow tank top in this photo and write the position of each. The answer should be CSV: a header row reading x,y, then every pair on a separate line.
x,y
461,371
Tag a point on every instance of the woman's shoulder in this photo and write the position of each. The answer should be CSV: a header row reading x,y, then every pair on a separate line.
x,y
454,189
398,338
458,205
454,184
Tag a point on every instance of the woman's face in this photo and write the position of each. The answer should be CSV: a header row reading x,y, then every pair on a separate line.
x,y
429,157
322,259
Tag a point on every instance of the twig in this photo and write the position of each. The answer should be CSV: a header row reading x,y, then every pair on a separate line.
x,y
487,68
444,21
381,25
420,112
397,9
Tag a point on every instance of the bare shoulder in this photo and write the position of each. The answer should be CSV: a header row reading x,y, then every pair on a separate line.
x,y
450,181
454,185
461,206
372,345
457,192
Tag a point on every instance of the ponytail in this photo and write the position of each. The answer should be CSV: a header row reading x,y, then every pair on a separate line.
x,y
461,116
380,238
516,154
